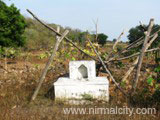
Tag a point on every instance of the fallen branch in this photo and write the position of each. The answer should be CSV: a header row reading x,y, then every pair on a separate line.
x,y
67,39
118,86
48,64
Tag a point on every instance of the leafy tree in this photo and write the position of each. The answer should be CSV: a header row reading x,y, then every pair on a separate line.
x,y
102,39
12,26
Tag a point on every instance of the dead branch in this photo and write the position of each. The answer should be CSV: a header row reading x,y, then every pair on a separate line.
x,y
140,22
58,30
137,43
133,43
130,70
96,27
136,61
114,46
134,55
152,40
118,86
48,64
59,34
142,53
118,39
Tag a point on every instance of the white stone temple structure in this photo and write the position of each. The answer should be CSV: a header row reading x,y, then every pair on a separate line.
x,y
82,80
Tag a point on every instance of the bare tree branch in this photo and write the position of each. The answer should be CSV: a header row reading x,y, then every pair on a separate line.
x,y
134,55
130,70
136,61
118,86
137,43
96,27
59,34
132,44
118,39
142,53
152,40
114,46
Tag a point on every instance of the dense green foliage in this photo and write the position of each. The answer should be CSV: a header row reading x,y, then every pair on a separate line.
x,y
12,26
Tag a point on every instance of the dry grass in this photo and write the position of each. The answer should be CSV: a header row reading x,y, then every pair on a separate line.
x,y
17,86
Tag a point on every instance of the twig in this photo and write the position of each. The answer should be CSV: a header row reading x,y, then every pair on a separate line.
x,y
48,64
142,53
67,39
118,86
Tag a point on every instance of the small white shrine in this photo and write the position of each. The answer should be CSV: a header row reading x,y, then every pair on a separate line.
x,y
82,81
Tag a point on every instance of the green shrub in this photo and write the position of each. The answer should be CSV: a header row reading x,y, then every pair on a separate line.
x,y
12,26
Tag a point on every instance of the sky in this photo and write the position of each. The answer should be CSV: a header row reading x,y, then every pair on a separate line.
x,y
113,16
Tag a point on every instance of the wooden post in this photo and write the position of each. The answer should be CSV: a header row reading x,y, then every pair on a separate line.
x,y
42,77
142,53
